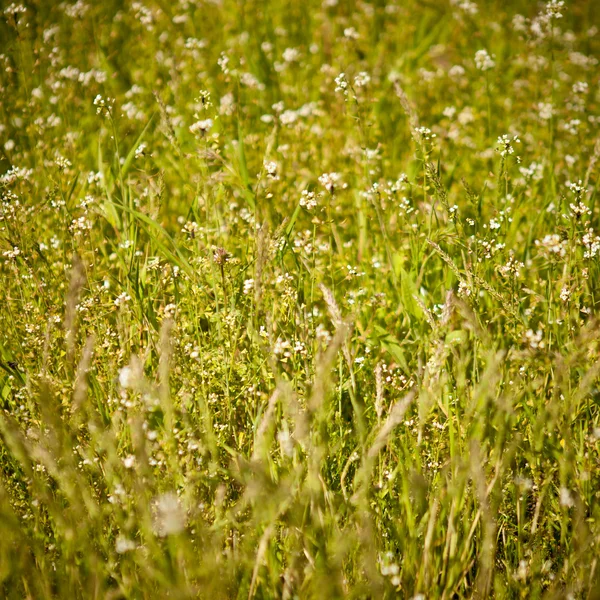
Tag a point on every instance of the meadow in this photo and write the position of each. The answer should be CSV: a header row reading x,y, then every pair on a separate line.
x,y
299,299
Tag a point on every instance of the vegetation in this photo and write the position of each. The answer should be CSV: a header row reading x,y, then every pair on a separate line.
x,y
299,299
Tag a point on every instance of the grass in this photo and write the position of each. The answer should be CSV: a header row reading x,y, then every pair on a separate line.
x,y
299,299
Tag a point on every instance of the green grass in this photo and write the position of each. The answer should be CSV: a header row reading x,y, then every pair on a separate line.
x,y
282,315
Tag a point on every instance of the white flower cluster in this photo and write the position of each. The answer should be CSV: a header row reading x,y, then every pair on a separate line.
x,y
308,200
202,127
271,167
12,10
554,8
362,79
577,188
103,105
341,84
483,60
553,244
330,181
466,6
505,144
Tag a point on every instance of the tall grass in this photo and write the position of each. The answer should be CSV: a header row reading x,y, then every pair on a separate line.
x,y
299,299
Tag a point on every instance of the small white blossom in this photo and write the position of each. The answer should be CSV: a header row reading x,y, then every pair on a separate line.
x,y
505,144
545,110
341,84
425,133
535,339
223,61
201,127
566,498
291,55
308,200
330,181
169,516
123,545
140,150
554,8
362,79
483,61
271,167
122,299
103,105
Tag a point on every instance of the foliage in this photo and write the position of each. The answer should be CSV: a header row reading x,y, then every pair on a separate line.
x,y
299,299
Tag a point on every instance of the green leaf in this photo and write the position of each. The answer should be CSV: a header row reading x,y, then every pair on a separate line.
x,y
110,213
408,290
241,154
290,226
456,337
176,257
130,156
391,344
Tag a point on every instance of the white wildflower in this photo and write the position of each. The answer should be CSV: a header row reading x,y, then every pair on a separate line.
x,y
554,8
140,150
535,339
545,110
341,84
308,200
122,299
201,127
506,144
123,545
169,516
362,79
330,181
566,498
291,55
271,167
483,61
